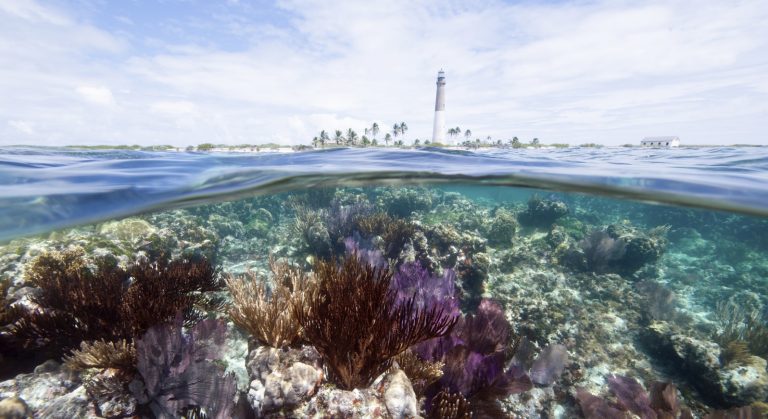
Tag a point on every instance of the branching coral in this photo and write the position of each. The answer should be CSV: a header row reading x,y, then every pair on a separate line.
x,y
356,324
740,322
77,303
101,354
179,372
448,405
421,373
5,308
266,317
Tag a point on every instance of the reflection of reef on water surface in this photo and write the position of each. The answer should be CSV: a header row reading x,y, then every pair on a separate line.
x,y
390,302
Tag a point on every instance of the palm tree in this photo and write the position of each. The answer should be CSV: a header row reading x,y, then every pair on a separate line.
x,y
467,134
351,137
515,142
452,132
315,142
375,130
374,143
416,142
387,139
403,129
365,141
396,130
535,142
339,137
324,138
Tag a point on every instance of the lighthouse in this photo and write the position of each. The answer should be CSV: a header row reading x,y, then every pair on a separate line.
x,y
438,131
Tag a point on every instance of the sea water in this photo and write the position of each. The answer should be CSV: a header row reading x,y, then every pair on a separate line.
x,y
582,282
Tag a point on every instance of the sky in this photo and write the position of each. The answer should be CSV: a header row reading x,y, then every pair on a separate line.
x,y
186,72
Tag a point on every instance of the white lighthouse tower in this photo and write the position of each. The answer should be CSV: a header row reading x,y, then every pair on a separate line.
x,y
438,131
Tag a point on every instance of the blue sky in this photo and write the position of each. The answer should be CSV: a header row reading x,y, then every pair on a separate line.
x,y
191,71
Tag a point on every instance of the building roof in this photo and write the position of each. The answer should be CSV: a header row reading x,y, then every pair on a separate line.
x,y
667,138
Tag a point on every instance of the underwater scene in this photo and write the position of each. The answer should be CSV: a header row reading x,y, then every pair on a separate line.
x,y
433,296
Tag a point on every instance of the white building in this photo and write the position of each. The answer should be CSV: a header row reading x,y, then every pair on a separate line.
x,y
660,142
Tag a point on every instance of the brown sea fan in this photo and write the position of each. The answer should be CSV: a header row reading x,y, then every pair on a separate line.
x,y
354,322
82,303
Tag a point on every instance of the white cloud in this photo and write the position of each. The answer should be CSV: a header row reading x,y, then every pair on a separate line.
x,y
602,71
173,107
23,127
98,95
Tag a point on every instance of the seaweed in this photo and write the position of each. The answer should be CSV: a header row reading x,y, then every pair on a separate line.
x,y
178,372
77,303
356,324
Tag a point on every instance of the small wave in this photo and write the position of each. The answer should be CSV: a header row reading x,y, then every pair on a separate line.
x,y
42,189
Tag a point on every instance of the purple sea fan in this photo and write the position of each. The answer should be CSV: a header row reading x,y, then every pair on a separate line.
x,y
178,371
476,355
340,220
631,395
549,365
413,280
366,254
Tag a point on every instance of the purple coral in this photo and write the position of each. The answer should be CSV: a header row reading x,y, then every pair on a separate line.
x,y
413,280
340,219
631,396
475,356
178,371
366,253
549,365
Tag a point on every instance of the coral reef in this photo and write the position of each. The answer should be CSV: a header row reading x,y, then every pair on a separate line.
x,y
556,315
